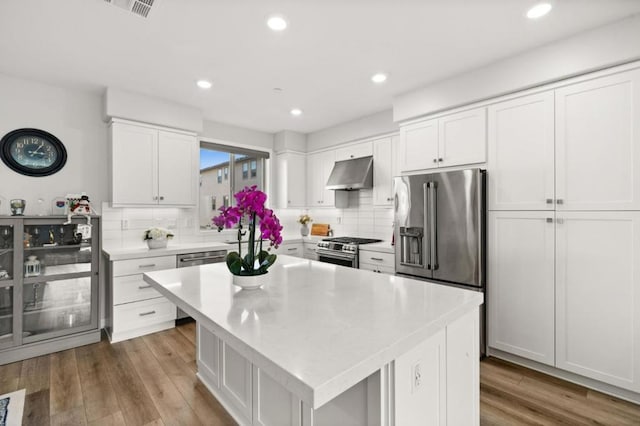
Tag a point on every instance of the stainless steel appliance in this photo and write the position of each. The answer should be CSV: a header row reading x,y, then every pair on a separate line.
x,y
440,226
351,174
195,259
341,250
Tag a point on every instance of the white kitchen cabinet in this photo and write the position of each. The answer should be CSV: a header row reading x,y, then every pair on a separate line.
x,y
310,250
384,168
319,167
208,355
273,404
419,146
520,284
462,138
363,149
151,167
598,143
521,153
451,140
290,180
377,261
598,296
235,380
290,249
134,307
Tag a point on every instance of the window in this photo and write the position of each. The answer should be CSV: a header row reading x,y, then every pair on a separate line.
x,y
225,170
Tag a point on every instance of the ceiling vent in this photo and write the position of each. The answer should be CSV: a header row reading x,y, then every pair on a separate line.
x,y
137,7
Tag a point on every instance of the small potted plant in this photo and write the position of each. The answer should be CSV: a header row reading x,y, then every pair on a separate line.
x,y
157,237
250,209
303,220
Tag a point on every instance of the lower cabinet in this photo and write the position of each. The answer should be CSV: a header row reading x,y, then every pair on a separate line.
x,y
377,261
310,251
135,308
290,249
565,291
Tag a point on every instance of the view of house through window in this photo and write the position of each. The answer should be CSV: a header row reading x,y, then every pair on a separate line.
x,y
225,170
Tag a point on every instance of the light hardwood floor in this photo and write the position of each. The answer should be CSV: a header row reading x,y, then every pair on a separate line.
x,y
151,381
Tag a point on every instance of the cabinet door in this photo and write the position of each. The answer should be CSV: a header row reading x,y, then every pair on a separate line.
x,y
290,180
177,169
273,405
328,160
314,177
359,150
419,146
382,172
598,296
134,164
598,144
462,138
521,154
520,281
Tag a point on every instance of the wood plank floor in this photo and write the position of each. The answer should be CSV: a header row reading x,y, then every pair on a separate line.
x,y
151,381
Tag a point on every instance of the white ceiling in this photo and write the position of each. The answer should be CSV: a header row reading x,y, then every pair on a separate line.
x,y
323,61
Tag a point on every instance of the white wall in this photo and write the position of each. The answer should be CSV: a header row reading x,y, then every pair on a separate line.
x,y
595,49
230,133
361,128
75,117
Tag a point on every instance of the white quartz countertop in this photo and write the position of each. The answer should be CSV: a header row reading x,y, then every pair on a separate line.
x,y
381,247
172,249
316,328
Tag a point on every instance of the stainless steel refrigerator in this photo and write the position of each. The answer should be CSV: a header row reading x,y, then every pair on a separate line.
x,y
440,227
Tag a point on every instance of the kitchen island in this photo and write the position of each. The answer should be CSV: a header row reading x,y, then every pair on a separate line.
x,y
321,344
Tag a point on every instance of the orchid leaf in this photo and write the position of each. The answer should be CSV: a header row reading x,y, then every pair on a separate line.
x,y
234,263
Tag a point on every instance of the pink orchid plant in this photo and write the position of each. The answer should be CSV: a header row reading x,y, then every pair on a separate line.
x,y
250,206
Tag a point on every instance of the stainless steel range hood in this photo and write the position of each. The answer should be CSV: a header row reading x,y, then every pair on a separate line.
x,y
352,174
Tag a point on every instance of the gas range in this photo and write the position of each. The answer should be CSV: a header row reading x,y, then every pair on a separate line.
x,y
341,250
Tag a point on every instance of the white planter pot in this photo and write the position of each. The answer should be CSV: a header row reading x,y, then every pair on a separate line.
x,y
250,282
156,244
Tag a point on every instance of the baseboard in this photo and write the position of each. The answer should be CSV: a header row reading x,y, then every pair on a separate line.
x,y
599,386
115,337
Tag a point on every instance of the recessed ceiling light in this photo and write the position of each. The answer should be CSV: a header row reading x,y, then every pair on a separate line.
x,y
204,84
296,112
379,78
539,10
276,22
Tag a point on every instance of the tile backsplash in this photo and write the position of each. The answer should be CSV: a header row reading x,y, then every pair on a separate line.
x,y
123,227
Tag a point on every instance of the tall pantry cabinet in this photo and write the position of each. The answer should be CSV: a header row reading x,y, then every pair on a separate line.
x,y
564,227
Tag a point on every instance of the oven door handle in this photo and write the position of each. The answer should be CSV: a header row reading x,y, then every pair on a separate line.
x,y
334,254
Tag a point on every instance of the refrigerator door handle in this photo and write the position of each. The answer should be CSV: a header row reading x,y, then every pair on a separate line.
x,y
433,224
427,232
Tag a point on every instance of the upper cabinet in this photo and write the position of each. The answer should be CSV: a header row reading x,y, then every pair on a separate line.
x,y
319,166
452,140
521,158
598,144
290,180
575,148
385,153
359,150
150,166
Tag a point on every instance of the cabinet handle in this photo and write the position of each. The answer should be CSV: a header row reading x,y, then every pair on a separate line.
x,y
150,265
161,198
292,249
549,200
142,287
144,314
435,160
559,201
549,220
351,156
440,160
377,259
155,198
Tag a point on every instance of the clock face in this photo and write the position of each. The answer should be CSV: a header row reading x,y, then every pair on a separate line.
x,y
32,152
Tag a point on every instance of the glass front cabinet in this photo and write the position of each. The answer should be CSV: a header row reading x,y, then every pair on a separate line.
x,y
48,285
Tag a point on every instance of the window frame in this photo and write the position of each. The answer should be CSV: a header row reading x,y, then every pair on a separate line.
x,y
267,185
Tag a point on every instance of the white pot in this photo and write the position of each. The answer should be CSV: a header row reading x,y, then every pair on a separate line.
x,y
249,282
156,244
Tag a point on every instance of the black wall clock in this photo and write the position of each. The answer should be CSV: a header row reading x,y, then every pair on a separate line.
x,y
33,152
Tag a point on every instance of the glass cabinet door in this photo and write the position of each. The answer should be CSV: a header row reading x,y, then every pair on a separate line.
x,y
6,316
7,264
6,252
59,288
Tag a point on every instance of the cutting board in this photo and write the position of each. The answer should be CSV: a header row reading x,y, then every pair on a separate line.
x,y
320,229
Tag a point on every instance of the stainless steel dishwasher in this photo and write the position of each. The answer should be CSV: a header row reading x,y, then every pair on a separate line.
x,y
195,259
